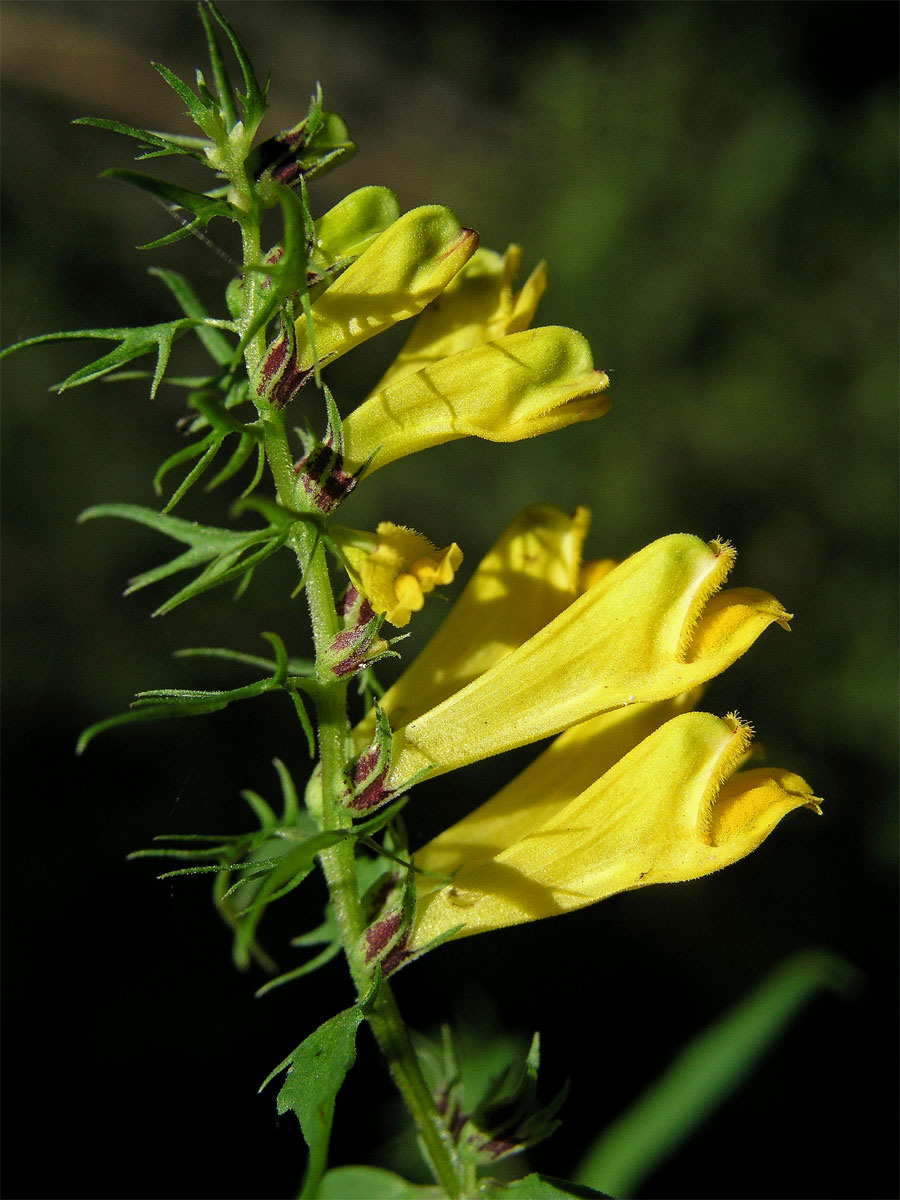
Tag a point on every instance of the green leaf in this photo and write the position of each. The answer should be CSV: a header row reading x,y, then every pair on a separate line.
x,y
203,206
219,347
706,1071
220,71
372,1183
537,1187
296,666
202,113
325,956
134,343
161,703
223,550
315,1072
254,101
157,144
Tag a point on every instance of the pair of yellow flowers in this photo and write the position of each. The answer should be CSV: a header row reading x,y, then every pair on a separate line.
x,y
637,788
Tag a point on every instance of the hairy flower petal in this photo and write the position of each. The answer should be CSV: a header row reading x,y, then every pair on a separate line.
x,y
396,568
646,631
516,387
570,764
669,810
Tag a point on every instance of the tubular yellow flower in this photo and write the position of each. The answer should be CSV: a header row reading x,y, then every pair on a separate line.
x,y
526,579
670,810
402,271
646,631
516,387
477,306
395,568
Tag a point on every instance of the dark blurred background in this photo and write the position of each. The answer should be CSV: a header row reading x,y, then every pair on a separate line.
x,y
715,189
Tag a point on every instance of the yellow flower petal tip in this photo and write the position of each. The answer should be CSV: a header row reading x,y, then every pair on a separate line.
x,y
396,568
592,572
519,386
674,808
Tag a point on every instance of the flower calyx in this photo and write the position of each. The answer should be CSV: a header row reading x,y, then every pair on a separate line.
x,y
507,1119
315,145
358,645
320,472
279,378
390,904
364,778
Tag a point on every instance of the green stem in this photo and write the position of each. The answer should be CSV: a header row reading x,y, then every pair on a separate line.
x,y
338,862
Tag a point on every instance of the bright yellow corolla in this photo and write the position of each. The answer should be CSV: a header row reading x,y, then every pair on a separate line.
x,y
668,810
650,629
526,579
478,305
409,264
395,568
516,387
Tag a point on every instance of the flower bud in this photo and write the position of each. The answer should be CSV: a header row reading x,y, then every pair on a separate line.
x,y
315,145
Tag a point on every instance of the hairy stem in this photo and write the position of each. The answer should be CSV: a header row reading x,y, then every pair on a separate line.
x,y
338,862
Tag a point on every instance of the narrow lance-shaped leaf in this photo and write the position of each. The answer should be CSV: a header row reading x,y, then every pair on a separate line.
x,y
182,702
157,144
202,112
204,207
219,70
254,101
218,346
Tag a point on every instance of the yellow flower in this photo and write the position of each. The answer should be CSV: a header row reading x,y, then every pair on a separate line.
x,y
409,264
527,578
518,386
395,568
478,305
650,629
669,809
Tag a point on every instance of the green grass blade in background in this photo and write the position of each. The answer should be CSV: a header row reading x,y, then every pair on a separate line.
x,y
709,1068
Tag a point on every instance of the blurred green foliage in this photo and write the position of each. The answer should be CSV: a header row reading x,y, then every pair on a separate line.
x,y
715,190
